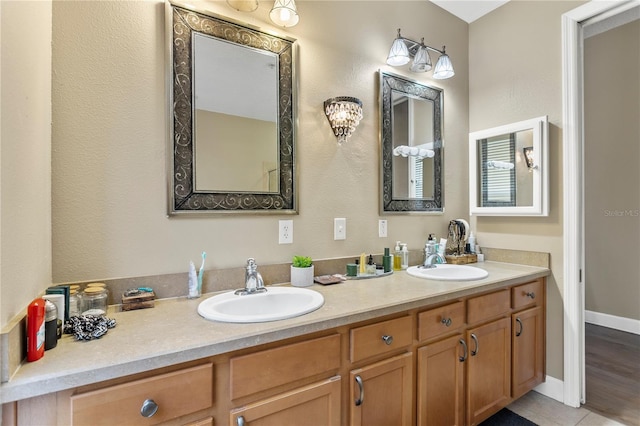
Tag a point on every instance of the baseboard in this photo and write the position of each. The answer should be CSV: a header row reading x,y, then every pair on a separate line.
x,y
552,387
611,321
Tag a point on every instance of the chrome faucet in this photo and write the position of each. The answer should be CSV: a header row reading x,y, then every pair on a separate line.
x,y
253,282
432,258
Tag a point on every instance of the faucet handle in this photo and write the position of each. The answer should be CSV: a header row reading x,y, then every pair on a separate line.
x,y
251,264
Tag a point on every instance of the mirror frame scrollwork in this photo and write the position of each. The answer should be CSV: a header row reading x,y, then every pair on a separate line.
x,y
183,198
390,83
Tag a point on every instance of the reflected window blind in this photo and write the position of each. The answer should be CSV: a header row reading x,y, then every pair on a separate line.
x,y
498,185
419,178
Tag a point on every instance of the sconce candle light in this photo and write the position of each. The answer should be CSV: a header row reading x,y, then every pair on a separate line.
x,y
344,114
403,49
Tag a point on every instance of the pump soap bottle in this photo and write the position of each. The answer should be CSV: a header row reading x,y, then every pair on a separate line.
x,y
397,257
405,257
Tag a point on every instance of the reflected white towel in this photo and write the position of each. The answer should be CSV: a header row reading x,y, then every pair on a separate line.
x,y
499,165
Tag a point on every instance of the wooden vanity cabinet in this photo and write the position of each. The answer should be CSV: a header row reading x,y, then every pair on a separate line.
x,y
146,401
381,393
527,337
318,403
456,363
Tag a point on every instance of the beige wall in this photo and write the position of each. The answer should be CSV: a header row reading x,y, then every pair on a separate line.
x,y
236,158
109,191
25,153
515,61
612,156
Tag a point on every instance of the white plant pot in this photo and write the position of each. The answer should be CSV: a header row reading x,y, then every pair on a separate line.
x,y
301,277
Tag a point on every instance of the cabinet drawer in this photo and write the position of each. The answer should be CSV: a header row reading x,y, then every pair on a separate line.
x,y
380,338
268,369
437,321
176,394
526,294
488,306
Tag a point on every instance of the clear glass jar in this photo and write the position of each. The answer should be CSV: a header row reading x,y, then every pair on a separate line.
x,y
94,301
74,303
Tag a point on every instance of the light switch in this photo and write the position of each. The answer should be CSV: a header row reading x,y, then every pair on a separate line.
x,y
339,228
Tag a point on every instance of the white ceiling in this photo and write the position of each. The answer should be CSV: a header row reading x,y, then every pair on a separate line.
x,y
469,10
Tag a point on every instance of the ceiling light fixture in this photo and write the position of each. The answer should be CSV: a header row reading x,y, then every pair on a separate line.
x,y
344,114
284,13
403,49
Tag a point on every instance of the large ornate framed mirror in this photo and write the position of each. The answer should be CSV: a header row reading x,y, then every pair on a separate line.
x,y
508,170
411,117
232,116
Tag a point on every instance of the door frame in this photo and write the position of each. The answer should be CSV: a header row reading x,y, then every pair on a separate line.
x,y
573,187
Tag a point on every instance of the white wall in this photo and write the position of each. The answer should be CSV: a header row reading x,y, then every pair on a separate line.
x,y
25,153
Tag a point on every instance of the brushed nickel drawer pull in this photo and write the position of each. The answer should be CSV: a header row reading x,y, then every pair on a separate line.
x,y
446,321
387,339
463,358
531,294
519,331
240,421
360,399
149,408
475,339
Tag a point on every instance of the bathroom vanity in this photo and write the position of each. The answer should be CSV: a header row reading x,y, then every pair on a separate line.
x,y
395,350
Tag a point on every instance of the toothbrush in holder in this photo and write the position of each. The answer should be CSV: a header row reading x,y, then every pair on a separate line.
x,y
201,271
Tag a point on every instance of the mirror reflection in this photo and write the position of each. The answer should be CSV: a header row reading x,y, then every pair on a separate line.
x,y
411,146
235,141
232,116
508,169
505,179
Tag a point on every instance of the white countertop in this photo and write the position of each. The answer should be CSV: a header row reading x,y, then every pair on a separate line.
x,y
173,332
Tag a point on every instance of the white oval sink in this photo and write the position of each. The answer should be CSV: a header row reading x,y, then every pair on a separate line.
x,y
276,303
448,272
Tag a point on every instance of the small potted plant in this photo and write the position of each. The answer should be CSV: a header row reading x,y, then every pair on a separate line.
x,y
301,271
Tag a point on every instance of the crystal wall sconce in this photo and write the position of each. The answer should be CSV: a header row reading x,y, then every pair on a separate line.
x,y
403,49
344,114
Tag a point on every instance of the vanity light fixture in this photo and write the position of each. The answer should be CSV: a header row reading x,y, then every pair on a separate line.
x,y
243,5
284,13
403,49
413,151
344,114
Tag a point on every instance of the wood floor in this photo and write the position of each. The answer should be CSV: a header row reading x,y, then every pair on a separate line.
x,y
612,361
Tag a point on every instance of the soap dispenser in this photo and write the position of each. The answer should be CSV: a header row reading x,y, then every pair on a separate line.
x,y
397,257
405,257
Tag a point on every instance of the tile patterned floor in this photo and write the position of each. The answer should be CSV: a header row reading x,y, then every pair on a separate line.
x,y
545,411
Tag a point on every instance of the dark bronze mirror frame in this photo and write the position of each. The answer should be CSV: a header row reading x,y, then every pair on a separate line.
x,y
389,205
183,198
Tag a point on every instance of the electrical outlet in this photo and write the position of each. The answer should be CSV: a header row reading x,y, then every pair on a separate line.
x,y
339,228
382,228
285,232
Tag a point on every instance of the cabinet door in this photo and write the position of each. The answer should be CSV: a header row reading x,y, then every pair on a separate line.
x,y
319,403
528,350
382,393
488,369
441,382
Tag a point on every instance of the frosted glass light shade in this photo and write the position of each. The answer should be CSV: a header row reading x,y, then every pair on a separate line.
x,y
243,5
399,53
444,68
422,61
284,13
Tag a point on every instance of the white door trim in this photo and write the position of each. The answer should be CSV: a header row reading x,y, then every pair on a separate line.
x,y
573,217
